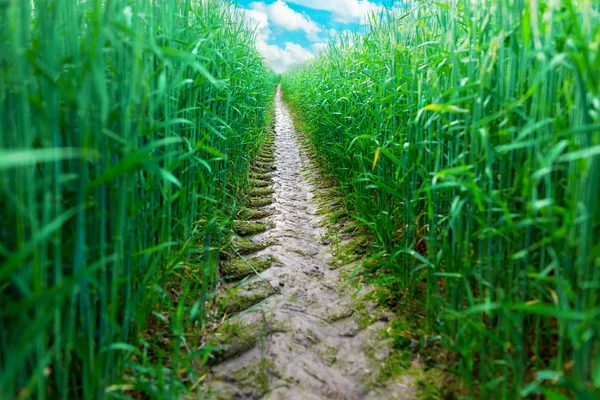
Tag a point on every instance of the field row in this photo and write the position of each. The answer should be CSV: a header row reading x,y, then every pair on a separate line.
x,y
127,131
466,136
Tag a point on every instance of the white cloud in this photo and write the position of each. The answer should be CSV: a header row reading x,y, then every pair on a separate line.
x,y
260,18
258,21
281,59
281,15
343,10
317,47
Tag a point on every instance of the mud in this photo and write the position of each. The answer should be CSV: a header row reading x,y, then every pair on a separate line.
x,y
309,336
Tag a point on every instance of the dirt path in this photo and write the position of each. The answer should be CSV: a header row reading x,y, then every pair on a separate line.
x,y
310,338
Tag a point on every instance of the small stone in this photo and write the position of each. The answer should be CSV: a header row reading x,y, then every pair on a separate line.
x,y
326,242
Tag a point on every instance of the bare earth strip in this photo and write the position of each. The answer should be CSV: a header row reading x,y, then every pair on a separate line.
x,y
313,338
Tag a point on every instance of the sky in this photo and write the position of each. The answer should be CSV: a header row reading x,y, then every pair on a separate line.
x,y
290,32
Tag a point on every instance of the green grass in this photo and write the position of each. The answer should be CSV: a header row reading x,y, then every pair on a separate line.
x,y
466,136
126,134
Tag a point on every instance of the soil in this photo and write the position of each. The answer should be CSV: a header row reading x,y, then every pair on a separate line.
x,y
310,335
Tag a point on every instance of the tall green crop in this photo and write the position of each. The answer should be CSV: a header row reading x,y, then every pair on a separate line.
x,y
126,129
467,135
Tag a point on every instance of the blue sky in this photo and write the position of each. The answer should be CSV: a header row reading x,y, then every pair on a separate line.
x,y
290,32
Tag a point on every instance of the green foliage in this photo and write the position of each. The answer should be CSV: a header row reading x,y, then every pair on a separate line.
x,y
466,135
126,133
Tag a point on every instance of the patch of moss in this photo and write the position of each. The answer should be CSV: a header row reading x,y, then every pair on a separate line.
x,y
339,216
364,318
328,195
219,395
430,384
243,297
381,296
246,228
388,363
265,160
232,339
260,191
238,268
377,342
352,250
260,183
261,176
259,201
252,213
396,364
334,264
246,246
326,210
351,228
298,251
398,332
433,384
329,355
346,313
344,255
254,380
257,169
268,150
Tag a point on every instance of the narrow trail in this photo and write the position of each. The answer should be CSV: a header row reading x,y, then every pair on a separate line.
x,y
308,339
